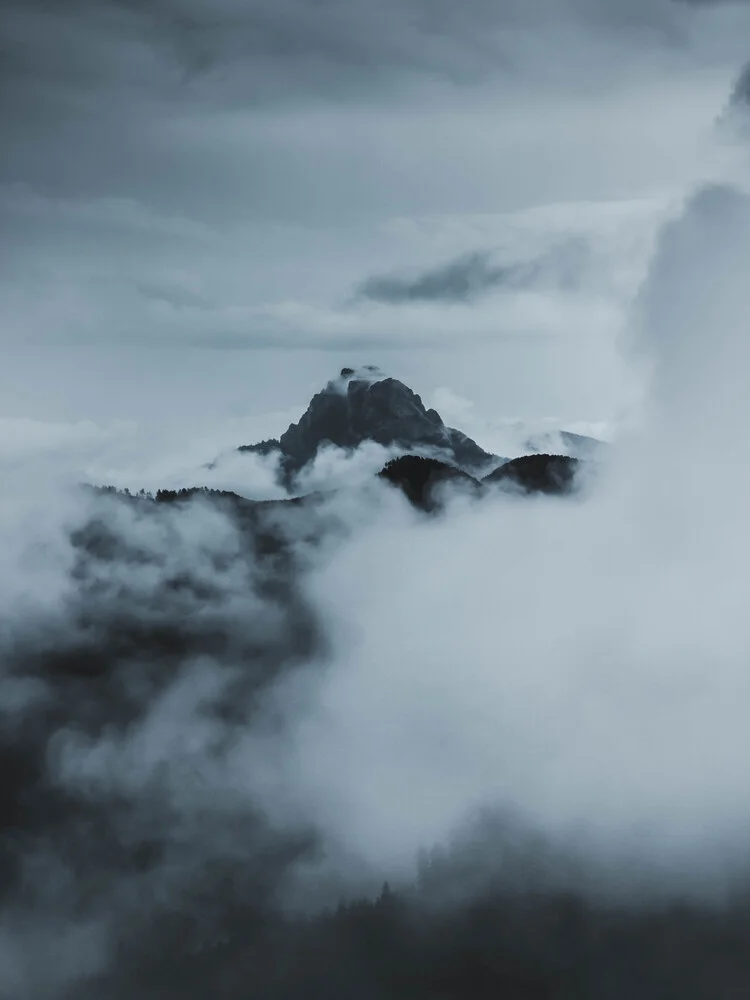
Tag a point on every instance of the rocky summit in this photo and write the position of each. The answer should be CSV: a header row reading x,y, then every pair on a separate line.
x,y
365,405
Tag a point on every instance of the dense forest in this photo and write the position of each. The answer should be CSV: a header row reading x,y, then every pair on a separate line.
x,y
400,946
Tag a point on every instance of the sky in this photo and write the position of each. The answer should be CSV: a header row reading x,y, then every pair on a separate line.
x,y
209,208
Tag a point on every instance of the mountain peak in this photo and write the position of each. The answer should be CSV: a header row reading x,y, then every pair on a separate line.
x,y
367,373
362,404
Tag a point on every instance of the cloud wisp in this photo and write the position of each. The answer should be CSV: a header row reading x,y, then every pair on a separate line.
x,y
473,275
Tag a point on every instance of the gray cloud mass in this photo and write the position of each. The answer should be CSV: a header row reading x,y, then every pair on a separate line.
x,y
313,41
741,93
472,275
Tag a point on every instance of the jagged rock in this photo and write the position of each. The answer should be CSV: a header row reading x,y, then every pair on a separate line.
x,y
363,405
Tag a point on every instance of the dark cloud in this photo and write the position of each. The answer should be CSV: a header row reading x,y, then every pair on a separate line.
x,y
472,275
261,51
741,93
117,96
460,280
734,117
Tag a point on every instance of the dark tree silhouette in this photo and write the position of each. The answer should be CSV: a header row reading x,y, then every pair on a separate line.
x,y
554,474
421,478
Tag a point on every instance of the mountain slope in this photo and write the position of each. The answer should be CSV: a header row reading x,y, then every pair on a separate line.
x,y
364,405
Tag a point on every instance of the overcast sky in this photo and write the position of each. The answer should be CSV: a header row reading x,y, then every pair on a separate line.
x,y
207,208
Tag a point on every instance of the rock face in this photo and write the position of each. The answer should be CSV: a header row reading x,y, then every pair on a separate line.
x,y
363,405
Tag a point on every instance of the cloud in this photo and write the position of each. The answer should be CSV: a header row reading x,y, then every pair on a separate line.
x,y
171,68
741,92
216,292
737,111
458,281
319,45
248,164
472,275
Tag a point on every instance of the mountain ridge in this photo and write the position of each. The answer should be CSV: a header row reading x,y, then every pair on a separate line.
x,y
365,405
